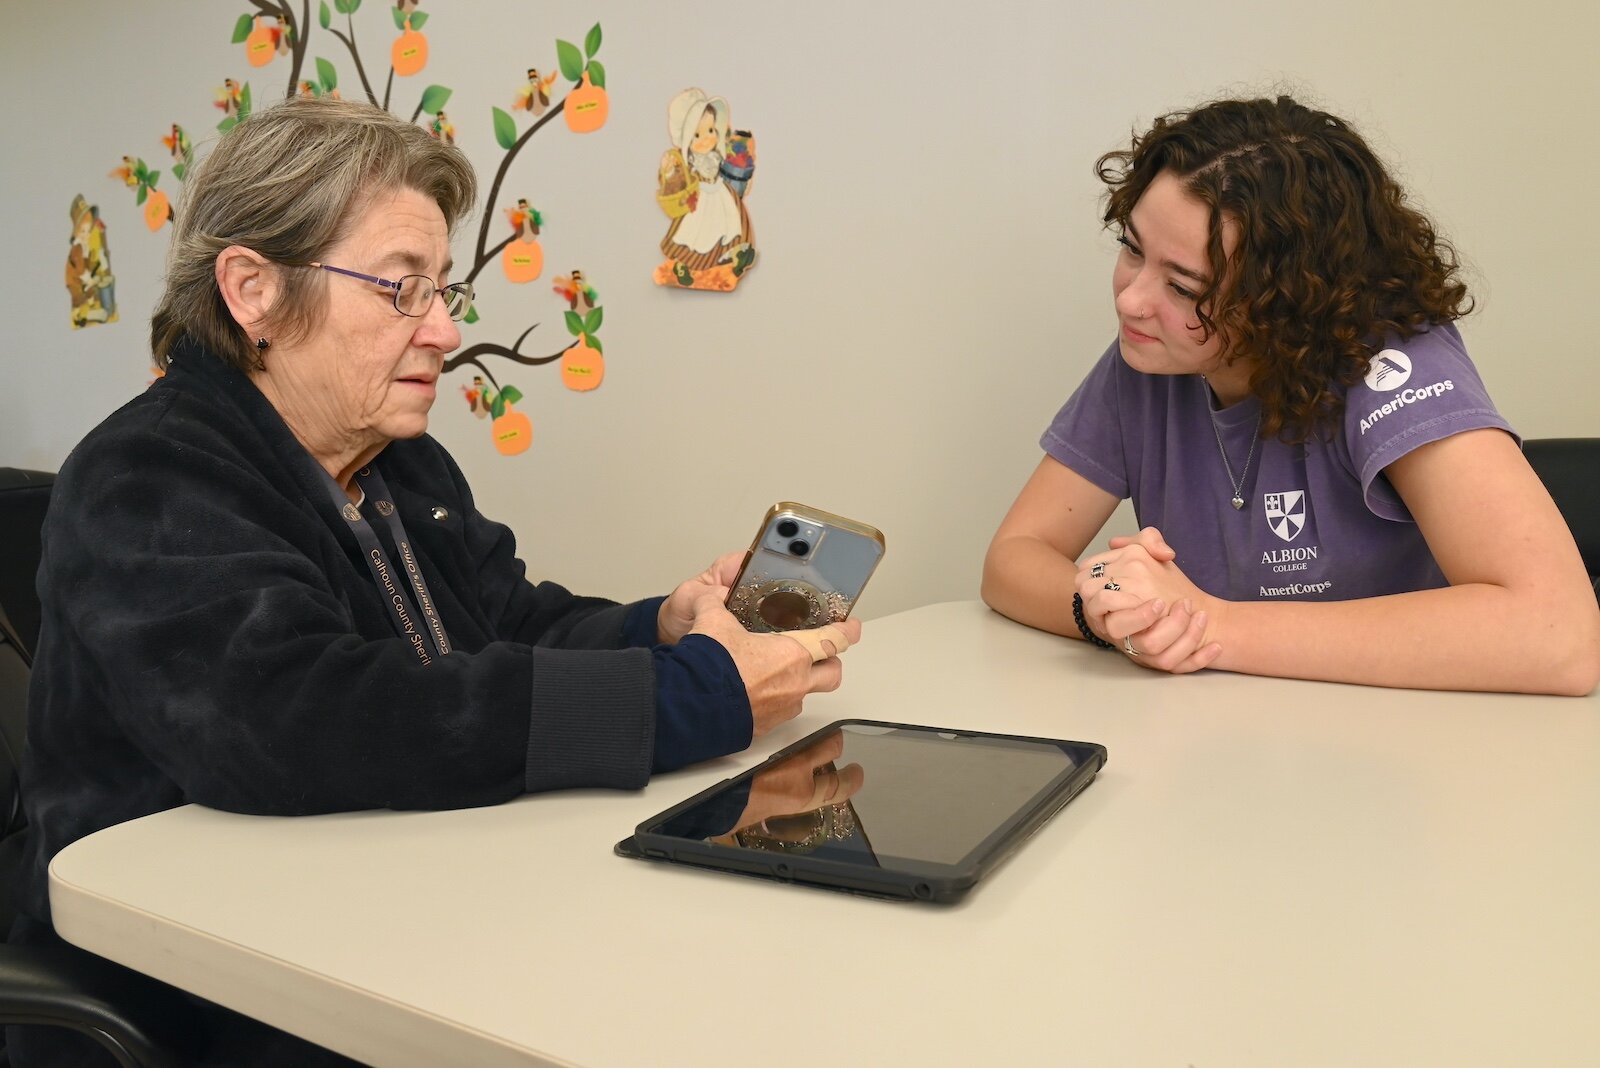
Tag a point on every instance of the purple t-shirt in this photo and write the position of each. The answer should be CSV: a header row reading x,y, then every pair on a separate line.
x,y
1320,521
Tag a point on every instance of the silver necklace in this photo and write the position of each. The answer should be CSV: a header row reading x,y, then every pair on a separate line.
x,y
1238,483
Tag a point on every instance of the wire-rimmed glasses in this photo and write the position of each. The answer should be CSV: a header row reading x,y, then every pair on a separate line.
x,y
413,293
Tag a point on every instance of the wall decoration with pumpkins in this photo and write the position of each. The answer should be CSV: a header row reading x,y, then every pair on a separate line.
x,y
282,33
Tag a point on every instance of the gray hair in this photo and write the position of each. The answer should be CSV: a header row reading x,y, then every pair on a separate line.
x,y
289,182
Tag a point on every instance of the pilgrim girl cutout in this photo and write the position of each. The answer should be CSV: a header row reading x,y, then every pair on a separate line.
x,y
90,283
701,187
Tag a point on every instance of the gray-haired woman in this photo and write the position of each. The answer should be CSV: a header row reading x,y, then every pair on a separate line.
x,y
265,589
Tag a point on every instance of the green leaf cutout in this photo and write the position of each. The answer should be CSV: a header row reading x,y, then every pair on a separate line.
x,y
324,16
592,321
227,124
434,97
152,178
472,314
241,29
418,18
594,343
399,18
505,131
497,407
510,394
342,6
354,5
574,323
597,73
571,61
179,170
244,101
591,43
327,75
144,191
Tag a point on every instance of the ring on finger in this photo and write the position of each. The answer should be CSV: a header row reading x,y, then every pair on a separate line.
x,y
1127,645
1112,586
1098,570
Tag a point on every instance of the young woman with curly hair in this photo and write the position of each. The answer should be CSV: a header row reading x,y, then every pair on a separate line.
x,y
1325,489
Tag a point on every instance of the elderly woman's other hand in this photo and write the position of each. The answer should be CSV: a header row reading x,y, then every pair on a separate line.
x,y
677,614
777,669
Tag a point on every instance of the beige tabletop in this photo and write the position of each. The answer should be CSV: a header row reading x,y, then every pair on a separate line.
x,y
1266,873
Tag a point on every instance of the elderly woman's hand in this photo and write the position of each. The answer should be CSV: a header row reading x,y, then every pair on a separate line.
x,y
1136,597
777,669
677,612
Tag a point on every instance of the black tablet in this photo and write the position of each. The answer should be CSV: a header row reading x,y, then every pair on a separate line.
x,y
891,809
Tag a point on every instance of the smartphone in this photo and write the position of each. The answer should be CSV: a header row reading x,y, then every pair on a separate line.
x,y
806,568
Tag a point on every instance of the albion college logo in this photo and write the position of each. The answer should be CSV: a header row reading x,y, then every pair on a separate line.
x,y
1286,517
1286,513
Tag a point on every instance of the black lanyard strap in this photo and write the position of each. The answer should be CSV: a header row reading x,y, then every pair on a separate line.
x,y
426,635
377,491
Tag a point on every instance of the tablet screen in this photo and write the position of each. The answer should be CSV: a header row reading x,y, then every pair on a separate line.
x,y
883,795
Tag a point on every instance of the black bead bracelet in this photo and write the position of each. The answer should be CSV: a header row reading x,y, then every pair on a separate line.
x,y
1083,624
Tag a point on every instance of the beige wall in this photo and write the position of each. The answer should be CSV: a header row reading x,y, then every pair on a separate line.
x,y
933,280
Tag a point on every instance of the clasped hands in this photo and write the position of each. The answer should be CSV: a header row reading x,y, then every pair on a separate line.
x,y
1136,598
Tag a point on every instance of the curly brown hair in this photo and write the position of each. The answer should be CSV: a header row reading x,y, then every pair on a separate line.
x,y
1330,258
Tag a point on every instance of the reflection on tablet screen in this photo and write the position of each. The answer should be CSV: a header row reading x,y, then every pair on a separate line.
x,y
872,795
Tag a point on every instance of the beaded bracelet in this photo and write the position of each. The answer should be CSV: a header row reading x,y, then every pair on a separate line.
x,y
1083,624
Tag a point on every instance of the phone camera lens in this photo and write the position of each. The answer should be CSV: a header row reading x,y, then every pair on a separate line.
x,y
788,528
799,547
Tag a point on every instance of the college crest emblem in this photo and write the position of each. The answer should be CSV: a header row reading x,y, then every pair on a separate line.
x,y
1286,513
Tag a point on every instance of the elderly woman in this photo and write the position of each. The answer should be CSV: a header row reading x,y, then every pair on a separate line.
x,y
267,590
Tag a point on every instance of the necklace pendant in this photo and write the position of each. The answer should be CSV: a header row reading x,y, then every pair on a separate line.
x,y
1238,502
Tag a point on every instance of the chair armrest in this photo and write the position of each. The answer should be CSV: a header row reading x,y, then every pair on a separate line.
x,y
132,1015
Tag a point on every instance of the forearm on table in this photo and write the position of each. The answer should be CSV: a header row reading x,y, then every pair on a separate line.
x,y
1474,636
1027,580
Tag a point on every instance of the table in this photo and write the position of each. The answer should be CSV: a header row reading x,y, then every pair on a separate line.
x,y
1267,872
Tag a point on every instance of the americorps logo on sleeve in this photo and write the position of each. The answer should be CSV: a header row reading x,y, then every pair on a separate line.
x,y
1389,369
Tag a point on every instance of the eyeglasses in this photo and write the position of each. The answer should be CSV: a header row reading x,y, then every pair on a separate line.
x,y
413,293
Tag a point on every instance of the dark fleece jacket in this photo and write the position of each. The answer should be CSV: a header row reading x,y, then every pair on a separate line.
x,y
212,634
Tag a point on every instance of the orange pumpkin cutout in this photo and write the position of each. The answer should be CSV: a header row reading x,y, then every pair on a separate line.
x,y
587,107
260,46
582,366
513,432
410,52
523,261
157,210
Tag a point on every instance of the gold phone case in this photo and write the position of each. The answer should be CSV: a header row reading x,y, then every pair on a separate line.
x,y
806,568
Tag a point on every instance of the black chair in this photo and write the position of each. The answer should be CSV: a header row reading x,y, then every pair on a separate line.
x,y
24,495
131,1016
1570,470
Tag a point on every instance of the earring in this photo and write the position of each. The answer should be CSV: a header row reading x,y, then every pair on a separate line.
x,y
262,344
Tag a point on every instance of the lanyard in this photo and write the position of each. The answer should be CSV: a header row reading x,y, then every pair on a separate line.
x,y
428,639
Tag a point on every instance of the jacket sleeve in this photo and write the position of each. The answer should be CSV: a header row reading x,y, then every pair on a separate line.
x,y
202,601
